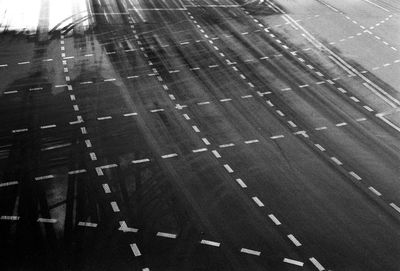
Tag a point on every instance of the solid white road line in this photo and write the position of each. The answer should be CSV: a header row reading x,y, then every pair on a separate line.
x,y
227,145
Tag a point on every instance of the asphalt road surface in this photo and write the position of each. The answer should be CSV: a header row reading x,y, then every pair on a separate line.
x,y
202,135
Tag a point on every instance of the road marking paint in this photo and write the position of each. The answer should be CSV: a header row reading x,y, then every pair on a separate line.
x,y
270,103
186,116
337,161
250,251
93,156
317,264
109,80
277,136
258,201
241,183
114,206
166,235
48,126
7,217
210,243
135,250
294,262
87,224
246,96
157,110
4,65
330,82
355,99
83,130
225,100
106,188
10,92
104,118
99,171
46,220
141,161
394,206
123,227
199,150
37,88
319,147
78,171
67,78
341,124
303,86
216,154
251,141
294,240
196,129
46,177
354,175
20,130
8,184
376,192
203,103
205,140
342,90
361,119
86,83
280,113
166,156
130,114
132,77
213,66
23,63
368,108
274,219
291,123
320,82
228,168
321,128
251,84
227,145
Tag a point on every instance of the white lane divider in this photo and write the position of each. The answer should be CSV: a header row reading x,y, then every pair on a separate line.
x,y
293,262
250,251
210,243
